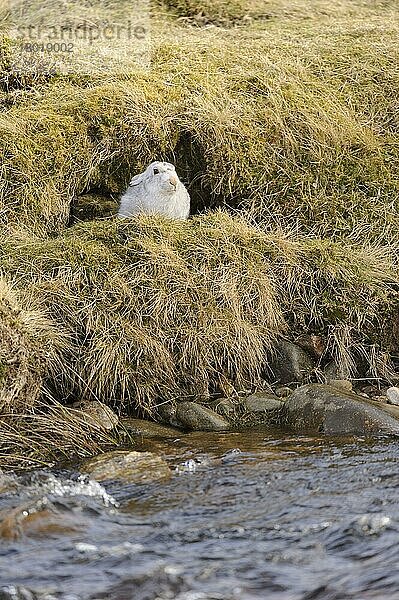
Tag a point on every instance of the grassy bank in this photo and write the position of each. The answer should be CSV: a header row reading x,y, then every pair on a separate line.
x,y
293,115
284,110
150,310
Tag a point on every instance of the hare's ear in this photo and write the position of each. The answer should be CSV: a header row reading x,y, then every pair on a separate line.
x,y
137,179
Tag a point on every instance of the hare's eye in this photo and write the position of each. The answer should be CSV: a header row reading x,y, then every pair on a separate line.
x,y
156,171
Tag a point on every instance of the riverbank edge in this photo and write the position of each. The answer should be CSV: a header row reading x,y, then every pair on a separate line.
x,y
148,313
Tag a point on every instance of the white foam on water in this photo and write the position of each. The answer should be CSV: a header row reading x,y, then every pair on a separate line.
x,y
189,466
83,486
373,524
193,595
124,549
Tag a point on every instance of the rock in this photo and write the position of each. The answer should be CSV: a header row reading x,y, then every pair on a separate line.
x,y
38,518
167,413
92,206
261,408
199,418
317,407
393,395
334,372
283,391
97,413
291,363
223,406
261,402
341,384
148,429
132,467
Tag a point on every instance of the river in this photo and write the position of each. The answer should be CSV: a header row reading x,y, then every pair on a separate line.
x,y
247,515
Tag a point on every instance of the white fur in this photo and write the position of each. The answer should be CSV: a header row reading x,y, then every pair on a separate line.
x,y
155,193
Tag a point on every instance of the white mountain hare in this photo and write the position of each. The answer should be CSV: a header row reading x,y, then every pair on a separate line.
x,y
156,191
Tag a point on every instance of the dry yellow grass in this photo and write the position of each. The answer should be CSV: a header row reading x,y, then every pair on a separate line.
x,y
30,350
159,310
51,433
285,109
156,311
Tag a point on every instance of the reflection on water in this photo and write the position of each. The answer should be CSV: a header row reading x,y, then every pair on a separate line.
x,y
245,516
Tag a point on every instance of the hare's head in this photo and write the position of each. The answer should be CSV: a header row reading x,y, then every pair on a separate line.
x,y
159,176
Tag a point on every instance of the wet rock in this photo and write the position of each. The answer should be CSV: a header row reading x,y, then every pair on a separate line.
x,y
323,408
283,391
393,395
291,363
341,384
261,402
12,592
92,206
132,467
97,413
148,429
199,418
39,518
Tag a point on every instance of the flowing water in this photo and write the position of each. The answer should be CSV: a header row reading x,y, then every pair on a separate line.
x,y
250,515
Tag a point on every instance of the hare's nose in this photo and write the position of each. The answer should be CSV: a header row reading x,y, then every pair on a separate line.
x,y
173,180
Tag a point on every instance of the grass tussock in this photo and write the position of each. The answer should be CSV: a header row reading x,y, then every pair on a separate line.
x,y
49,434
30,349
232,12
155,310
158,310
